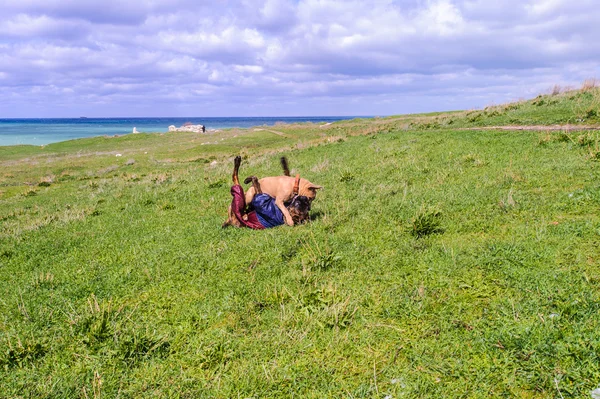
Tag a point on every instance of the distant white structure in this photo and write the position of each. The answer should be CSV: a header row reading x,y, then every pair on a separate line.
x,y
188,127
135,130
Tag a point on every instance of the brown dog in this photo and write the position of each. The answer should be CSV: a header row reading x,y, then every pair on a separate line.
x,y
282,189
298,207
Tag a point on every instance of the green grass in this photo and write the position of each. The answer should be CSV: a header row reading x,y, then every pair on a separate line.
x,y
576,107
439,263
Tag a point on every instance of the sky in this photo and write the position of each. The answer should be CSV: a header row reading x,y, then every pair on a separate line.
x,y
117,58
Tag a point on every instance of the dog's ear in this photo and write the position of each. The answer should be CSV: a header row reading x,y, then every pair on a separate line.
x,y
314,187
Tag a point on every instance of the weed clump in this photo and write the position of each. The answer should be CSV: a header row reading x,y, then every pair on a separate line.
x,y
137,348
30,193
346,177
591,113
168,207
473,159
589,84
327,308
556,90
215,354
217,184
427,221
21,354
327,260
508,203
43,280
563,137
586,140
512,107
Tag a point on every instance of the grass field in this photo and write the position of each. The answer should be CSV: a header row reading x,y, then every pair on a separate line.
x,y
440,262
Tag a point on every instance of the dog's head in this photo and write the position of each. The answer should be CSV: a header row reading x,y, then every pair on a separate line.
x,y
299,208
309,190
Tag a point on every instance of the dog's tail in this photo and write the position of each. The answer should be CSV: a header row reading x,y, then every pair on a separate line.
x,y
284,165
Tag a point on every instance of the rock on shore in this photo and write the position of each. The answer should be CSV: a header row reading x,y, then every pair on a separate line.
x,y
188,128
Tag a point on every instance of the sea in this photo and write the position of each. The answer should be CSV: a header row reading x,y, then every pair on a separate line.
x,y
45,131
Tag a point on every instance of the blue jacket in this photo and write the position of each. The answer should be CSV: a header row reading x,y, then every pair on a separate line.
x,y
268,213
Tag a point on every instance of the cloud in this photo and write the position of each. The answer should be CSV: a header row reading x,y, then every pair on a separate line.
x,y
287,56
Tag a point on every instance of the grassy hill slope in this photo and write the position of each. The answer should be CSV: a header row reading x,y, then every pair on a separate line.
x,y
440,263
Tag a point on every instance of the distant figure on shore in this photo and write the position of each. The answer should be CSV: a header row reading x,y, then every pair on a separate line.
x,y
135,130
203,129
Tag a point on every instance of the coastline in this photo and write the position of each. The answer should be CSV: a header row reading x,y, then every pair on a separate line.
x,y
43,131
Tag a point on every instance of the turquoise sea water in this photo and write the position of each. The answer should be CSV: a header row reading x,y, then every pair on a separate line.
x,y
45,131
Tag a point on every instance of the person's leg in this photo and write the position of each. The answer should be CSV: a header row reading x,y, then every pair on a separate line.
x,y
238,202
238,207
234,209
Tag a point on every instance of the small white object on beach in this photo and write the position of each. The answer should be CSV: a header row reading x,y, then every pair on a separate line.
x,y
213,163
135,130
118,155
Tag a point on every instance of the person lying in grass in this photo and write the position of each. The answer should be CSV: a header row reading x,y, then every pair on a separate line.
x,y
262,213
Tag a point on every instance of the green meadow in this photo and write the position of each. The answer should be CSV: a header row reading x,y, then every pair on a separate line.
x,y
442,261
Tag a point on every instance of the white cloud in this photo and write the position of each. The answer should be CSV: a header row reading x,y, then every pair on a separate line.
x,y
417,53
442,18
249,69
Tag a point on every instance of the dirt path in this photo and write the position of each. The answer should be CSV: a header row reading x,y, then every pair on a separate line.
x,y
271,131
535,127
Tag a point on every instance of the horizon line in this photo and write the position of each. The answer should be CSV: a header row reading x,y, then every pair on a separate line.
x,y
183,117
